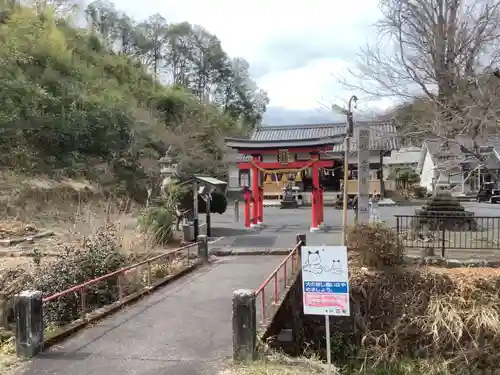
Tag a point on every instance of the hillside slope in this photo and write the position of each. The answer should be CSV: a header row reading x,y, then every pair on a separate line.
x,y
76,103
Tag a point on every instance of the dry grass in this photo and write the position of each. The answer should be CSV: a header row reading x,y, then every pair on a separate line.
x,y
72,209
280,365
418,312
8,359
425,312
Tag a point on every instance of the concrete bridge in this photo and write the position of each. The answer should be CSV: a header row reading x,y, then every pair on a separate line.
x,y
182,329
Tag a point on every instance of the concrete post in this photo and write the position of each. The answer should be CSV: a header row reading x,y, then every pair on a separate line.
x,y
244,325
29,323
203,248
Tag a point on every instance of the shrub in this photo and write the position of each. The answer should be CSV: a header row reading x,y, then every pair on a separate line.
x,y
419,192
95,257
377,245
217,205
158,222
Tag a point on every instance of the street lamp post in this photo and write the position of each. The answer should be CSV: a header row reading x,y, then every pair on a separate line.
x,y
347,146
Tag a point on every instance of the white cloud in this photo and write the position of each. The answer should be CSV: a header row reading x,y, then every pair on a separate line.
x,y
308,87
247,28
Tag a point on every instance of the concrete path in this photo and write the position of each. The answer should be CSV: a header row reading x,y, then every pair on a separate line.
x,y
181,329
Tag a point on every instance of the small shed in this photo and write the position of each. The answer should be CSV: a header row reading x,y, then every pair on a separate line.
x,y
203,186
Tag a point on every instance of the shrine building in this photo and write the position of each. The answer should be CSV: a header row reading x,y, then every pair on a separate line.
x,y
310,155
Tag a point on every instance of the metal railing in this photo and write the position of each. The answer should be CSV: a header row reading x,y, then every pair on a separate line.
x,y
126,281
449,233
272,290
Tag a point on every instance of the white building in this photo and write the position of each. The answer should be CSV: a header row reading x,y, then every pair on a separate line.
x,y
451,167
402,158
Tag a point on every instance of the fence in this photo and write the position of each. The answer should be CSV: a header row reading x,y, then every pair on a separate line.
x,y
71,309
75,302
272,290
449,233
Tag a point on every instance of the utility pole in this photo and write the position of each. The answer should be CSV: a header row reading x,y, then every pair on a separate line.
x,y
347,146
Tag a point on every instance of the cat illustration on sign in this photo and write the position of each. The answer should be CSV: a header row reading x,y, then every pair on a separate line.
x,y
336,267
314,264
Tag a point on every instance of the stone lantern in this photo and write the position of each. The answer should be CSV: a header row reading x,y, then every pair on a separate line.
x,y
169,169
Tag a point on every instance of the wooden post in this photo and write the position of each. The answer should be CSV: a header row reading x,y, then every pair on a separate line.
x,y
346,179
208,222
196,223
315,197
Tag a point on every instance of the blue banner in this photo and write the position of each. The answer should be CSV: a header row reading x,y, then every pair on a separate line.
x,y
325,287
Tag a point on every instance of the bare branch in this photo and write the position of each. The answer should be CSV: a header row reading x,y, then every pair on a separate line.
x,y
439,59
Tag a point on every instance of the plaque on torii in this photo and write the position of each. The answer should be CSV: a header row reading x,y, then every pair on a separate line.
x,y
283,156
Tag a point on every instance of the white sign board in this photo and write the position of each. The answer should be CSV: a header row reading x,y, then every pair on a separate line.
x,y
363,174
325,280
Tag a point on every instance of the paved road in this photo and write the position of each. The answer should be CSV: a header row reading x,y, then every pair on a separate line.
x,y
283,225
182,329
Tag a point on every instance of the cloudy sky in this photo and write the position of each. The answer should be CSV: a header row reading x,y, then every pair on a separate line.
x,y
296,50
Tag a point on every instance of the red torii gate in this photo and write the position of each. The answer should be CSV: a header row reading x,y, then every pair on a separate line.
x,y
272,150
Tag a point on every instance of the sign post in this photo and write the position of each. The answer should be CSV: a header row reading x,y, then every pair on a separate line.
x,y
363,175
325,283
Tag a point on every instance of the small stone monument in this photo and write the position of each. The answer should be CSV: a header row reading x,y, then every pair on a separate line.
x,y
444,212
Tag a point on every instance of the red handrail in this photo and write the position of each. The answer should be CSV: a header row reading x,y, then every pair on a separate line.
x,y
80,287
260,291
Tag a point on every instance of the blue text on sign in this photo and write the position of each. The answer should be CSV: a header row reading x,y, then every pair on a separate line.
x,y
325,287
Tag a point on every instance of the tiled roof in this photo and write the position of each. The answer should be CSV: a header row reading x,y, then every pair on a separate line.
x,y
252,144
445,154
403,156
286,132
383,135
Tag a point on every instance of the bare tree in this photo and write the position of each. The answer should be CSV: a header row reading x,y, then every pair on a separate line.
x,y
442,56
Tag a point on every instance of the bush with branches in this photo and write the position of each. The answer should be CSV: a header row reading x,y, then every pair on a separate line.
x,y
377,245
